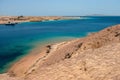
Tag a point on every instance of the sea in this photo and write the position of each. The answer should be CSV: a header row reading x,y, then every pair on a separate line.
x,y
17,41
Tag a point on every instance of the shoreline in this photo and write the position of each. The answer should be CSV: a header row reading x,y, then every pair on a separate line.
x,y
54,53
35,54
37,45
21,19
80,57
31,61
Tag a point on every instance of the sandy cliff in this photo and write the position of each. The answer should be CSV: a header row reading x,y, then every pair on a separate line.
x,y
95,57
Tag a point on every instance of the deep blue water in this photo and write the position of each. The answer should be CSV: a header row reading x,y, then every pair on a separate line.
x,y
17,40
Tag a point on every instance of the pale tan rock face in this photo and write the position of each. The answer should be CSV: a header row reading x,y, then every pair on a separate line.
x,y
95,57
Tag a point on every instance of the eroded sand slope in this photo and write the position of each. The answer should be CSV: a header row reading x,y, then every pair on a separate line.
x,y
95,57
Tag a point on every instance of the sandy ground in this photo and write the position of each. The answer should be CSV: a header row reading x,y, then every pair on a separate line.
x,y
51,54
95,57
30,62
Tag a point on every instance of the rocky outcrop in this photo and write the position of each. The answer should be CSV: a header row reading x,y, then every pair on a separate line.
x,y
95,57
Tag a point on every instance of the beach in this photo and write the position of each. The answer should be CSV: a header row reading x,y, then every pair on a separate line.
x,y
32,60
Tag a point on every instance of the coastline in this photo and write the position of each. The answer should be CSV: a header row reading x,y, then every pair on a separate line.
x,y
80,58
12,63
54,53
22,19
36,54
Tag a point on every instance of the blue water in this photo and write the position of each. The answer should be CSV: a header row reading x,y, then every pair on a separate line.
x,y
17,40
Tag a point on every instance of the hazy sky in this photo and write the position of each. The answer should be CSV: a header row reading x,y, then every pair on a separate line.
x,y
59,7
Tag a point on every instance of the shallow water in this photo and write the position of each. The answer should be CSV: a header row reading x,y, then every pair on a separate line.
x,y
18,40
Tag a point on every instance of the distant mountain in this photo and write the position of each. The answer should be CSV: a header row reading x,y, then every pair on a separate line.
x,y
98,15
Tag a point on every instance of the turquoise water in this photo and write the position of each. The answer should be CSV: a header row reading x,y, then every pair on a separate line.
x,y
18,40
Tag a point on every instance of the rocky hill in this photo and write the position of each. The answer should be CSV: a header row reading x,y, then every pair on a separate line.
x,y
95,57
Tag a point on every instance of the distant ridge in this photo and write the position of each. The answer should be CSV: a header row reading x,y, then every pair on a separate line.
x,y
101,15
